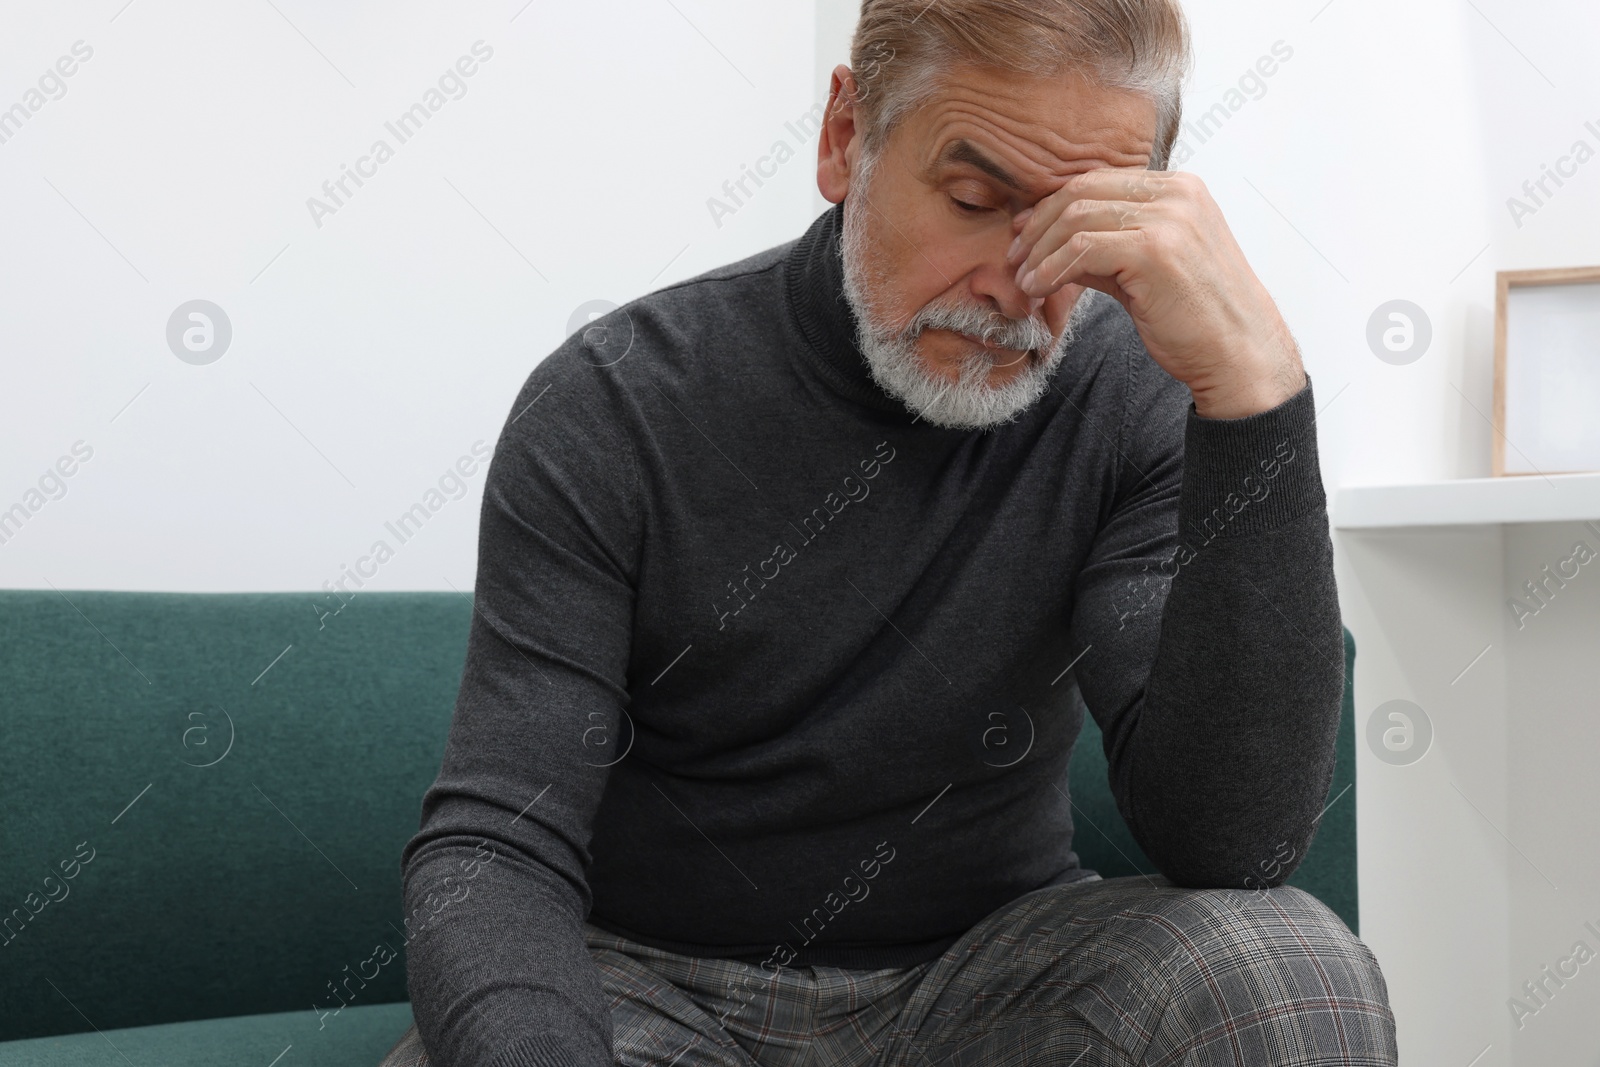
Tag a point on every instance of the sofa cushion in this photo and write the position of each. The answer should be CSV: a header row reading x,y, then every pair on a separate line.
x,y
354,1037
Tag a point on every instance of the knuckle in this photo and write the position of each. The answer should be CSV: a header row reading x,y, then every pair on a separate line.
x,y
1188,183
1159,241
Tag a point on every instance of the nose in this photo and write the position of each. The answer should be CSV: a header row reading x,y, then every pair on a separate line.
x,y
994,282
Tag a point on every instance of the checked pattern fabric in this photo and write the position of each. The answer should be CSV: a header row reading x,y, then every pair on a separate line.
x,y
1112,972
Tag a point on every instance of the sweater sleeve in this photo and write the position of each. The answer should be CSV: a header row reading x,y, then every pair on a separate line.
x,y
494,879
1215,665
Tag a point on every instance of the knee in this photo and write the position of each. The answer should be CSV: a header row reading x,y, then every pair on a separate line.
x,y
1283,932
1278,961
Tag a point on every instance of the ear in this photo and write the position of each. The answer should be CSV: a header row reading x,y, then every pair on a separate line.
x,y
838,133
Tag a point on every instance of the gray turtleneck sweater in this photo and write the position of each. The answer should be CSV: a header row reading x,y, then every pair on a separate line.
x,y
765,667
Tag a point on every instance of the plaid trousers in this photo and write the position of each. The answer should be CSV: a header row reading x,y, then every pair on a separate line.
x,y
1114,971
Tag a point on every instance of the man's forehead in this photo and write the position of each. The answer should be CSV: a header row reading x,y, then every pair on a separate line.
x,y
997,130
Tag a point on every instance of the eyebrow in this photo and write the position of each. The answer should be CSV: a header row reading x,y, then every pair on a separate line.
x,y
964,151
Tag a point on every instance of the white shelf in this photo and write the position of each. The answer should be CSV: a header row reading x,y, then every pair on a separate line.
x,y
1469,501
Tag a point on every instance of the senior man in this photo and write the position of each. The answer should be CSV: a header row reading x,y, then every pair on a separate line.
x,y
797,578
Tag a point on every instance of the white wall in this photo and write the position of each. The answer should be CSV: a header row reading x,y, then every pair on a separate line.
x,y
1553,813
368,353
1435,879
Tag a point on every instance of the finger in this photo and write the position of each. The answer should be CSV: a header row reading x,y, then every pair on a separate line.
x,y
1097,254
1116,183
1039,218
1131,184
1086,215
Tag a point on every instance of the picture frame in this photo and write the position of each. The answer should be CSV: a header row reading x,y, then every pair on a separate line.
x,y
1547,371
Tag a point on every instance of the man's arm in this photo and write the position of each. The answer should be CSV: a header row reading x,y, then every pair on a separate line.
x,y
1215,665
1221,756
495,891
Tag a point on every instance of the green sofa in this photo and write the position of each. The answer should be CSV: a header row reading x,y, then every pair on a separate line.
x,y
205,798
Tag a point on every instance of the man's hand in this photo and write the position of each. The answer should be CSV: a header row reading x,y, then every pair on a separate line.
x,y
1158,243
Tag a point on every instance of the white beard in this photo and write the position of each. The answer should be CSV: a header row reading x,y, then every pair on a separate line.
x,y
969,403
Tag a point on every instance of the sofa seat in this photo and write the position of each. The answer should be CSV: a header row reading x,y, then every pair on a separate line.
x,y
358,1036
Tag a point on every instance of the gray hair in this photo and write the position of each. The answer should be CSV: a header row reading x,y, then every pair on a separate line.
x,y
902,51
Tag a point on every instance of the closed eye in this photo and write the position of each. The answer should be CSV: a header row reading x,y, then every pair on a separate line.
x,y
968,209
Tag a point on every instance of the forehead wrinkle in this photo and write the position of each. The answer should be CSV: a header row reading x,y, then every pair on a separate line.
x,y
1048,154
1018,97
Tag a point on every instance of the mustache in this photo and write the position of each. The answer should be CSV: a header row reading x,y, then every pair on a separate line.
x,y
996,329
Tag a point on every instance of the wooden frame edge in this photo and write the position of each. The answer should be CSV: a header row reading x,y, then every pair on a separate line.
x,y
1502,291
1504,281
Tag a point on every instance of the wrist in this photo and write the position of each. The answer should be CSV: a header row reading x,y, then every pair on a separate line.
x,y
1240,391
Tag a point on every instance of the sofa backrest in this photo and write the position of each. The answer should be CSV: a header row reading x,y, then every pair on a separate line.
x,y
216,788
206,795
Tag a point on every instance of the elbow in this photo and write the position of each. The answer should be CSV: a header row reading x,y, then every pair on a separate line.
x,y
1261,861
1265,869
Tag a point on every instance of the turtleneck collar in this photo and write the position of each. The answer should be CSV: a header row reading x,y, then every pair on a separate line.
x,y
814,288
